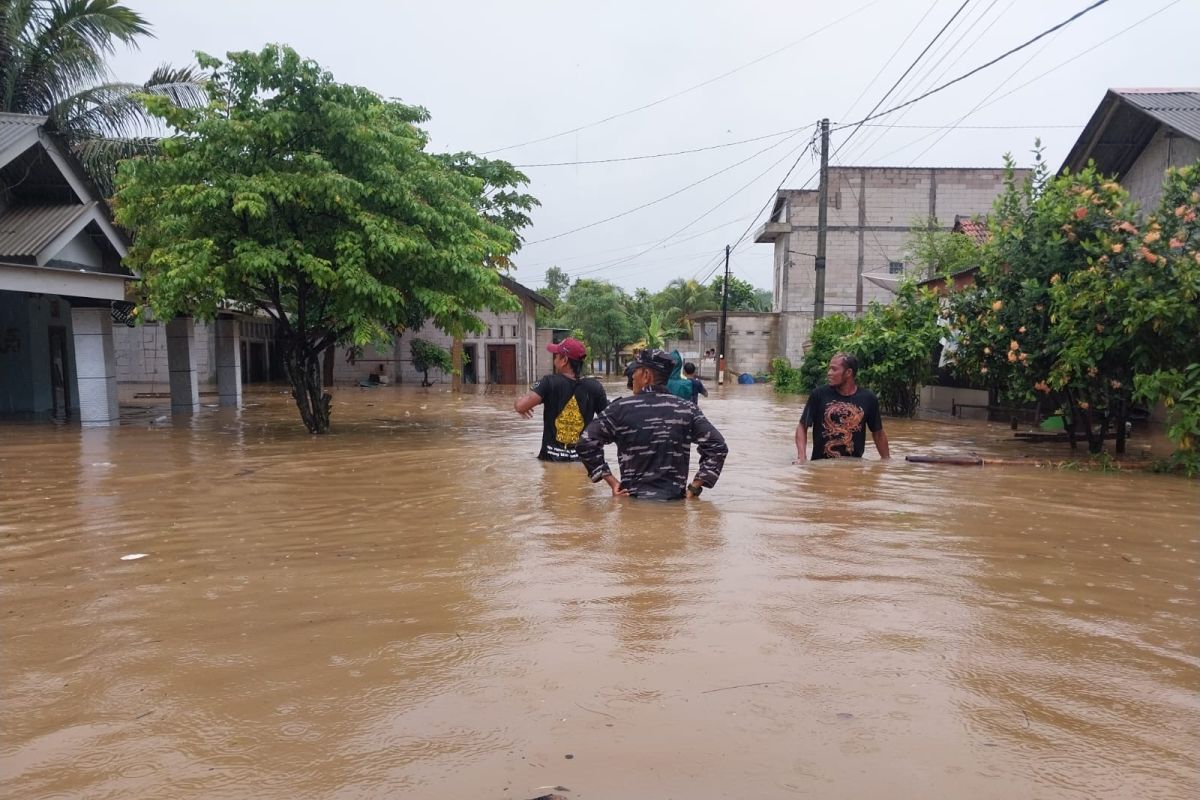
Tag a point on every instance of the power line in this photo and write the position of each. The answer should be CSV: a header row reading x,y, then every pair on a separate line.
x,y
701,85
895,53
655,155
664,198
980,68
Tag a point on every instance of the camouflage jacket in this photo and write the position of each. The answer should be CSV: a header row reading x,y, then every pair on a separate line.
x,y
654,431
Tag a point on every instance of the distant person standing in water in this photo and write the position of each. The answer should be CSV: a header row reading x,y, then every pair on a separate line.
x,y
569,401
840,415
689,372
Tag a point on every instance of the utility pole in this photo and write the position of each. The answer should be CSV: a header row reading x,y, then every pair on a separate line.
x,y
822,224
724,319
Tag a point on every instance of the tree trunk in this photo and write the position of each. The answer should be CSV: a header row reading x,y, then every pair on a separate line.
x,y
303,367
456,363
1122,412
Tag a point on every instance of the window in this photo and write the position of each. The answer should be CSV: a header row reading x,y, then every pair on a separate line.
x,y
514,331
489,332
895,267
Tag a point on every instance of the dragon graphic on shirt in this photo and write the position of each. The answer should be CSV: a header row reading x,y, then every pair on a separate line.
x,y
842,421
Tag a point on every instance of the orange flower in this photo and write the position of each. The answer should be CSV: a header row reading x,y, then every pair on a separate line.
x,y
1012,357
1080,212
1118,247
1180,211
1042,386
1152,237
1083,404
1115,384
1021,329
996,306
987,351
1175,244
1099,328
1023,357
1014,345
1127,226
1146,254
983,370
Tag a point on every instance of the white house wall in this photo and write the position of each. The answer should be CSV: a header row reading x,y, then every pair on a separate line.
x,y
1144,179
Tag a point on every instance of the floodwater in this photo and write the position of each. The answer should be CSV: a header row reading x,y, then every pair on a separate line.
x,y
414,607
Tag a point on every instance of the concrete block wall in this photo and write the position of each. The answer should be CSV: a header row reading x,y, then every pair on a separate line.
x,y
141,353
1144,178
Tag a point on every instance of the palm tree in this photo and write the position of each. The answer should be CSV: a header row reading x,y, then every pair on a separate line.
x,y
680,299
53,62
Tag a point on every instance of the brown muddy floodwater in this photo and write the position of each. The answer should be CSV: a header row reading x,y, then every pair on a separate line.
x,y
414,607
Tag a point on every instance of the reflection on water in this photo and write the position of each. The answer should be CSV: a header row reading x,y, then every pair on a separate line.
x,y
415,607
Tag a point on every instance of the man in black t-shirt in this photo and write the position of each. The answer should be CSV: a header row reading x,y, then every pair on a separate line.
x,y
840,415
569,401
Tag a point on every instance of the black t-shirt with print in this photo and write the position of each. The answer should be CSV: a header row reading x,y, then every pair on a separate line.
x,y
567,408
840,422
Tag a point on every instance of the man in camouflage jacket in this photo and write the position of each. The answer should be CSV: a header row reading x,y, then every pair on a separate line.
x,y
653,430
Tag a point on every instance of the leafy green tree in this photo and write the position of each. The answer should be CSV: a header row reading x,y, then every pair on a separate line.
x,y
895,346
554,290
742,295
680,299
597,310
427,356
315,203
829,335
940,252
53,62
654,333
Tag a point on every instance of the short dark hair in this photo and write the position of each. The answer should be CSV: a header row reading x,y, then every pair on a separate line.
x,y
576,366
689,368
849,361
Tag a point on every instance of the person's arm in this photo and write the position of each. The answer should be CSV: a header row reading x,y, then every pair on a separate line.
x,y
711,447
599,432
700,386
881,444
801,443
525,405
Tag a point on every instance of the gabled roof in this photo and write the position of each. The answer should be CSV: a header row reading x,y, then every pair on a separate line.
x,y
525,292
1127,120
25,231
976,229
18,132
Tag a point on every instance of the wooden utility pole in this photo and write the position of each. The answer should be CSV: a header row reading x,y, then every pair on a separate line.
x,y
822,224
724,320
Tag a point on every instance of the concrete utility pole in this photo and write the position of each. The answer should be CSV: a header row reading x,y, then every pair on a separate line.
x,y
724,319
822,223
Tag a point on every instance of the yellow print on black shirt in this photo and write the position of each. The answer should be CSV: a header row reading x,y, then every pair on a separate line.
x,y
568,425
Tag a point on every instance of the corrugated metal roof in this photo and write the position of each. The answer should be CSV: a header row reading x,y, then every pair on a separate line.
x,y
14,127
24,231
1179,109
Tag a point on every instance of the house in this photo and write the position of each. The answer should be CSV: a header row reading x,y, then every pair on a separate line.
x,y
871,212
1136,134
505,352
61,282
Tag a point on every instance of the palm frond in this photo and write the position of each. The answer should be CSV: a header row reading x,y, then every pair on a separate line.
x,y
100,157
186,87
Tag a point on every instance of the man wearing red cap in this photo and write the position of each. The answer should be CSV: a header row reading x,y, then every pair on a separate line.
x,y
569,401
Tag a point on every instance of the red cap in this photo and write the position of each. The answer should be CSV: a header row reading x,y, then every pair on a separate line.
x,y
571,348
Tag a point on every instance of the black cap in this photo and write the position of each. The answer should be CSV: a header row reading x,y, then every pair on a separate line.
x,y
657,360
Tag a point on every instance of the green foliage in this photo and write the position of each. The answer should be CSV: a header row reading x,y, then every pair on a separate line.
x,y
53,62
742,295
1179,390
427,356
940,252
894,344
597,310
654,333
1078,295
786,378
681,298
829,335
315,203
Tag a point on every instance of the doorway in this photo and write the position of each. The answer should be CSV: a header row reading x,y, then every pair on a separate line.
x,y
469,373
60,379
502,363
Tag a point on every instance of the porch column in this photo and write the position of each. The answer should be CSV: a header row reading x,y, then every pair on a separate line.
x,y
229,361
95,367
181,364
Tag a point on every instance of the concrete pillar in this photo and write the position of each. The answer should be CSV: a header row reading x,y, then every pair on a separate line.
x,y
229,361
95,366
181,365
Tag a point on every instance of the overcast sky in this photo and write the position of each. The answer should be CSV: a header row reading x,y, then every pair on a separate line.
x,y
500,74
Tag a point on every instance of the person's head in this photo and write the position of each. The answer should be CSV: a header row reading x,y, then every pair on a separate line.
x,y
842,371
651,368
689,369
568,356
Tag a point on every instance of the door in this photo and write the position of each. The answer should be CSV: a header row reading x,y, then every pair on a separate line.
x,y
502,363
60,380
